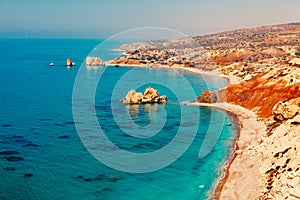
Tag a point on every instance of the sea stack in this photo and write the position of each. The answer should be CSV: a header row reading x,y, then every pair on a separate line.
x,y
150,95
93,61
70,63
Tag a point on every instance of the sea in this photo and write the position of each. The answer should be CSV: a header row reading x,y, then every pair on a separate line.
x,y
64,134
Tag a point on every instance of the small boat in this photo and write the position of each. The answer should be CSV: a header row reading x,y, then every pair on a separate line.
x,y
51,64
70,63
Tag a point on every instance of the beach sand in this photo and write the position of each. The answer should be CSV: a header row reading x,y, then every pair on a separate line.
x,y
240,180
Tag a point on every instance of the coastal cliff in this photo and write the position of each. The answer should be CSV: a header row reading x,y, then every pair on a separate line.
x,y
266,60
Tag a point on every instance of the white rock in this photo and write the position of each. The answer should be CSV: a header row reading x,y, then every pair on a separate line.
x,y
93,61
239,152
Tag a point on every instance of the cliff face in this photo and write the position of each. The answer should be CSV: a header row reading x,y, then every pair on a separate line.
x,y
263,91
280,153
275,97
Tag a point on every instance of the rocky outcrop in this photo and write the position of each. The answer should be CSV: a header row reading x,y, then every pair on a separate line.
x,y
286,109
133,97
126,61
70,63
280,168
93,61
151,95
262,92
207,97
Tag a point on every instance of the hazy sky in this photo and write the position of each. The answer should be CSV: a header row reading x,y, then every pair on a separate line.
x,y
103,18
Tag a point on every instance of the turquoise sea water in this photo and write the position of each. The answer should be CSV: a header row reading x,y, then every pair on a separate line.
x,y
42,155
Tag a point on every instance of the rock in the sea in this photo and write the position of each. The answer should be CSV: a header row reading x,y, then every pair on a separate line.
x,y
14,158
207,97
93,61
151,95
80,177
28,175
87,179
70,63
30,144
63,137
10,168
285,110
113,179
163,99
133,97
8,153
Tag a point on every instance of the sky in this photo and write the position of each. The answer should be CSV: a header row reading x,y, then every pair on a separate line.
x,y
104,18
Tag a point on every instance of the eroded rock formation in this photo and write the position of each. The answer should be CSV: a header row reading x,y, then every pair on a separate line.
x,y
262,92
150,95
286,109
207,97
93,61
133,97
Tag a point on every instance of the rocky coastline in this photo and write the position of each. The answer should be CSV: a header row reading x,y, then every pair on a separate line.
x,y
263,66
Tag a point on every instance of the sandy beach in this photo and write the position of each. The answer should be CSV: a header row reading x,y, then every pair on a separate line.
x,y
245,163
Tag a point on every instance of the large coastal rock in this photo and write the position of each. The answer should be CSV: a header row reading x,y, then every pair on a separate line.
x,y
69,63
133,97
286,109
151,95
93,61
207,97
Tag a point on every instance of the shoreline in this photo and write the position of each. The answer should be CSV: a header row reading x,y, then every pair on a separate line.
x,y
244,153
244,158
231,79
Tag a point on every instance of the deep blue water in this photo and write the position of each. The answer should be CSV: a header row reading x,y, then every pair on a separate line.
x,y
46,154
